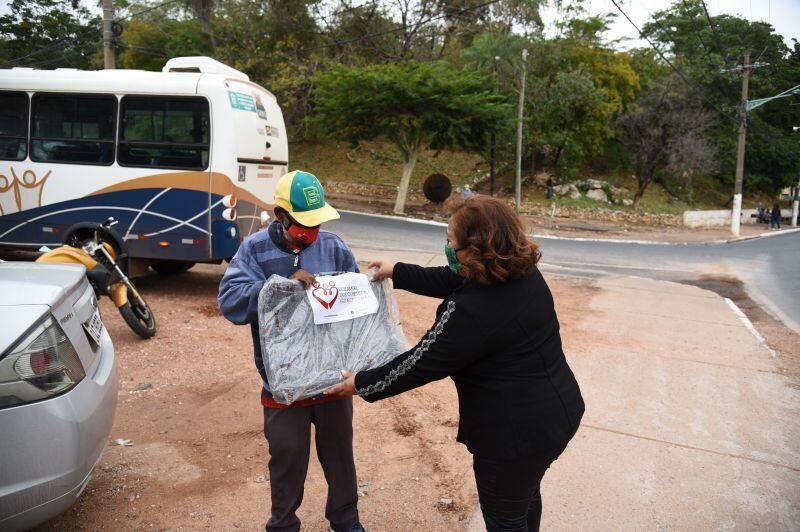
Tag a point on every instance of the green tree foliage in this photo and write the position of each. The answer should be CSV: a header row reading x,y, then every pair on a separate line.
x,y
579,82
772,158
148,44
50,34
415,105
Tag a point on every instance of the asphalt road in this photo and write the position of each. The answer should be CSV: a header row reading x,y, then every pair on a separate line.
x,y
769,267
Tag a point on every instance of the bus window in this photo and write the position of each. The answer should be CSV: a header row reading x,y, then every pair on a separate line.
x,y
164,132
69,128
13,126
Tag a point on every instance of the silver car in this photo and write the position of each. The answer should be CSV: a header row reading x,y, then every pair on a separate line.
x,y
58,390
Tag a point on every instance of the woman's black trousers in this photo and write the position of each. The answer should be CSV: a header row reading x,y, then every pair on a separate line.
x,y
508,491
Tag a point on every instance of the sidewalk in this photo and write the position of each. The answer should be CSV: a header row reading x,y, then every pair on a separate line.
x,y
689,424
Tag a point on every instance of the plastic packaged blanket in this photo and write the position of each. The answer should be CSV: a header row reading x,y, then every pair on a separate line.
x,y
302,358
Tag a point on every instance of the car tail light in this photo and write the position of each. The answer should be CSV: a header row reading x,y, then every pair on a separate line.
x,y
42,365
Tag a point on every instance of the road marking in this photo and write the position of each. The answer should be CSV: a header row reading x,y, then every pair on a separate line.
x,y
749,325
397,218
618,266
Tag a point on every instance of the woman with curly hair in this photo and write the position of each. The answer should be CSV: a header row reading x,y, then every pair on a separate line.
x,y
497,336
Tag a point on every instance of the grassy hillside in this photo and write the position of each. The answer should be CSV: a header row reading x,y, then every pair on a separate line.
x,y
379,163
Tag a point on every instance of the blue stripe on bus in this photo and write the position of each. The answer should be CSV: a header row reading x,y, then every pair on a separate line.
x,y
176,216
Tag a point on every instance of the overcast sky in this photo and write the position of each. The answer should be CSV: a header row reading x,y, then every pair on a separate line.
x,y
784,15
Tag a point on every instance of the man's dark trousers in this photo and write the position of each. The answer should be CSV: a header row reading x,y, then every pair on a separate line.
x,y
288,432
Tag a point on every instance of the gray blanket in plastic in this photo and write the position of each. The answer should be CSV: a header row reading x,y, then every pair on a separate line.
x,y
303,359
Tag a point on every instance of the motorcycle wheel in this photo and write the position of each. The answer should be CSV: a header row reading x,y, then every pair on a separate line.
x,y
139,317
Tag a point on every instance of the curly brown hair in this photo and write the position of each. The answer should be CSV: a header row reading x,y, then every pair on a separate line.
x,y
495,246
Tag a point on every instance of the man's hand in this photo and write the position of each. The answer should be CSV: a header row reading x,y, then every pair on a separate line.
x,y
383,269
304,277
345,388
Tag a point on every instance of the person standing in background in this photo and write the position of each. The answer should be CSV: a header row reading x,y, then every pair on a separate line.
x,y
776,217
549,187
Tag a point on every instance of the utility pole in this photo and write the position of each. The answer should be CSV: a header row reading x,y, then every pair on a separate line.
x,y
796,199
796,204
108,36
736,211
518,195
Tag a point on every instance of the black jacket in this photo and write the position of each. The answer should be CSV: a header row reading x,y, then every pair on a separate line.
x,y
501,346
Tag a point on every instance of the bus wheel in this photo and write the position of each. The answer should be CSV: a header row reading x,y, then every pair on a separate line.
x,y
171,267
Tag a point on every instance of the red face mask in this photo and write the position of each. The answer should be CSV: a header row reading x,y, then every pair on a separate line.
x,y
303,235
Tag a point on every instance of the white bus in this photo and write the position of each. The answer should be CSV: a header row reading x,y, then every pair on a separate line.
x,y
185,159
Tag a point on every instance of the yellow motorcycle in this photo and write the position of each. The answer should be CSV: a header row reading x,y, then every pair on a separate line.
x,y
104,274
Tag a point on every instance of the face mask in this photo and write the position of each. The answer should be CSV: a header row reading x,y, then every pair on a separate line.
x,y
303,235
452,258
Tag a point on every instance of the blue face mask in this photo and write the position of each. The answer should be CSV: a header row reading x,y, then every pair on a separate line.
x,y
452,258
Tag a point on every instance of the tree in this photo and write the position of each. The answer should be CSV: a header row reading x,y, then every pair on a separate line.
x,y
415,105
49,34
148,44
665,134
700,51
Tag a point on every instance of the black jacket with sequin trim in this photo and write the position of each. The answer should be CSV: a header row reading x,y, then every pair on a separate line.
x,y
501,346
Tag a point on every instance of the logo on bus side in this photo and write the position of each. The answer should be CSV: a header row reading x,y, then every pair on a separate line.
x,y
21,194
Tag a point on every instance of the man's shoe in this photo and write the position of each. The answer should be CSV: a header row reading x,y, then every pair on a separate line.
x,y
355,528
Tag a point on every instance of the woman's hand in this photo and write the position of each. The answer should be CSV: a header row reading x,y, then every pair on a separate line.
x,y
384,269
345,388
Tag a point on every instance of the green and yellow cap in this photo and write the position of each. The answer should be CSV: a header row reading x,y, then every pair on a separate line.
x,y
302,196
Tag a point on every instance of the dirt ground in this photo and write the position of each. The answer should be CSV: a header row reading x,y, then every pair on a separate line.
x,y
189,401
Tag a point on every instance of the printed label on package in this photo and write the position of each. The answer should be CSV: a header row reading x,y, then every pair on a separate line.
x,y
341,297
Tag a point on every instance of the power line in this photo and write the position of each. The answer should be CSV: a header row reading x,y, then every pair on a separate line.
x,y
686,80
120,44
395,30
147,10
672,35
717,40
59,42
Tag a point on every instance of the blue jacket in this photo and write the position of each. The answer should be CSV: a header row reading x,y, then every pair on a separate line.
x,y
264,254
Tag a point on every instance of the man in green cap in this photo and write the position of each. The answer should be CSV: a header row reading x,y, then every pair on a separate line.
x,y
293,246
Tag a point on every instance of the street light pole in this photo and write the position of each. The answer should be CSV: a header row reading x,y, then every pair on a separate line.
x,y
518,188
493,147
108,36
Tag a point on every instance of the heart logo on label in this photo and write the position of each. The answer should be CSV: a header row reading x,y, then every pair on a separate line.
x,y
325,294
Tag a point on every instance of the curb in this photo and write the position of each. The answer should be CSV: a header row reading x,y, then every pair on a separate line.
x,y
749,325
398,218
763,235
